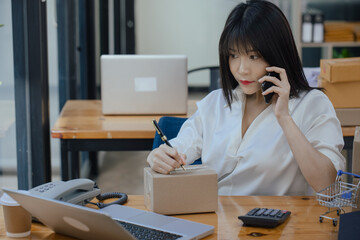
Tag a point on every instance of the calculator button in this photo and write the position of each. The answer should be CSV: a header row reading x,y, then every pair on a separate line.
x,y
267,212
281,213
261,211
274,212
253,211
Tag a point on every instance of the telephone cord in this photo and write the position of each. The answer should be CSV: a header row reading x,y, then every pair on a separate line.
x,y
122,198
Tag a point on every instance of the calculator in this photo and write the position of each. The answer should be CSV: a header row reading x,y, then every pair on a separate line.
x,y
265,217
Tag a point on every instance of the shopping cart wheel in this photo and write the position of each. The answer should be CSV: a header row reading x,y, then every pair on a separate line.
x,y
321,219
334,222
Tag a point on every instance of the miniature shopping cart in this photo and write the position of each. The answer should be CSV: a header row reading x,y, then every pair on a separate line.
x,y
337,196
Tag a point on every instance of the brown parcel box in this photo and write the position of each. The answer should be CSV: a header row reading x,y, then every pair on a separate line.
x,y
342,95
356,163
340,69
348,116
192,191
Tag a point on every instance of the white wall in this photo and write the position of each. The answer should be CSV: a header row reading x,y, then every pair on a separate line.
x,y
190,27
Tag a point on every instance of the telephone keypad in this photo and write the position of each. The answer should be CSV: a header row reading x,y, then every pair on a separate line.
x,y
44,187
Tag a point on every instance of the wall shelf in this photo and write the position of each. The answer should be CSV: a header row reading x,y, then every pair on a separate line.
x,y
331,44
298,6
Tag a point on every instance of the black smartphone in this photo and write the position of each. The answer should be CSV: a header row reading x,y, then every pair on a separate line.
x,y
265,85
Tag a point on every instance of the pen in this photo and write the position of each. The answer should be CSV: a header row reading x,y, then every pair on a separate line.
x,y
163,137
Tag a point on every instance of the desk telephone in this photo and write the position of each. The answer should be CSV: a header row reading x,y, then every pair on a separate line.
x,y
77,191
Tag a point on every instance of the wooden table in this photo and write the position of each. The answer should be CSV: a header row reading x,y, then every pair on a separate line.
x,y
81,126
302,224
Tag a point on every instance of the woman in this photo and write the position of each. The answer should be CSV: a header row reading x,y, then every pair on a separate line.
x,y
280,148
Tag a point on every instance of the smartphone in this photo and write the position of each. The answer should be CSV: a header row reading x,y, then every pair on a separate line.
x,y
265,85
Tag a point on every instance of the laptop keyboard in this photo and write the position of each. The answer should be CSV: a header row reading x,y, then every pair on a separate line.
x,y
141,232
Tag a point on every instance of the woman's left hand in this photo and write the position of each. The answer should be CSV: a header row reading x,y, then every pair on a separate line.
x,y
280,100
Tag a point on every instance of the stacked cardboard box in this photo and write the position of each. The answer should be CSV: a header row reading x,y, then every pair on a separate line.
x,y
340,31
341,80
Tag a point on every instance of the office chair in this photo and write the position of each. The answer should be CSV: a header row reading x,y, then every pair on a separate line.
x,y
170,126
214,76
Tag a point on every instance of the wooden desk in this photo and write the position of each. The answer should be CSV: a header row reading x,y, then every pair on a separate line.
x,y
302,224
81,126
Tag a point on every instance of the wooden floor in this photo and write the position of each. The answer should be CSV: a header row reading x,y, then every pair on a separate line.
x,y
122,171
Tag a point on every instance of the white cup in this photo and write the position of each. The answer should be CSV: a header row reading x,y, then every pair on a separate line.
x,y
17,219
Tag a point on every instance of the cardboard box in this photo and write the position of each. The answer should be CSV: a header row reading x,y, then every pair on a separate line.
x,y
340,69
348,116
343,94
192,191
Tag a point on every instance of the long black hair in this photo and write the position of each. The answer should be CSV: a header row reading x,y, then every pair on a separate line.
x,y
260,26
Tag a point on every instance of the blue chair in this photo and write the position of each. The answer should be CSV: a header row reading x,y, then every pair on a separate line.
x,y
170,126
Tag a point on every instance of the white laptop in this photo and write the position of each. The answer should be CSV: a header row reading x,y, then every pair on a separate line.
x,y
111,222
144,84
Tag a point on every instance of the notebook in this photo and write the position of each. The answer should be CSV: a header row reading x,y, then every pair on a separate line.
x,y
144,84
111,222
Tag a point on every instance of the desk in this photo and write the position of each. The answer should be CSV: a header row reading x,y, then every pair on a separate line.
x,y
302,224
82,127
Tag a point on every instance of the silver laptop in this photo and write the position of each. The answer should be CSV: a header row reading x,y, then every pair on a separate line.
x,y
144,84
111,222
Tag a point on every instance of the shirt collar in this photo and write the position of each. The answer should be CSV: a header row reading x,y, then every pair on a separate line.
x,y
238,96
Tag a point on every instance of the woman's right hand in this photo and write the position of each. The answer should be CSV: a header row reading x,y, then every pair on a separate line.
x,y
165,159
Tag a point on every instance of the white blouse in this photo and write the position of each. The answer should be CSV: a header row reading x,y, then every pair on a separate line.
x,y
261,162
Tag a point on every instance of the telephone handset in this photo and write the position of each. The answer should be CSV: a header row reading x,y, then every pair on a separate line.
x,y
76,191
265,85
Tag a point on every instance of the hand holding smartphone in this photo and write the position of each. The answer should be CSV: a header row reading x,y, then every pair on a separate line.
x,y
266,85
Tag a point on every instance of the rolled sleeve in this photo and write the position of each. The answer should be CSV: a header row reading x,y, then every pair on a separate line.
x,y
323,130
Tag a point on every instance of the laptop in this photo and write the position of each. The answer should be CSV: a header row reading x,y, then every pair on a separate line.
x,y
111,222
144,84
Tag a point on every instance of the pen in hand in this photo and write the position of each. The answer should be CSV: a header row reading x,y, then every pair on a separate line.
x,y
163,137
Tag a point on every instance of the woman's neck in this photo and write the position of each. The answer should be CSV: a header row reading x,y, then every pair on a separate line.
x,y
256,98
